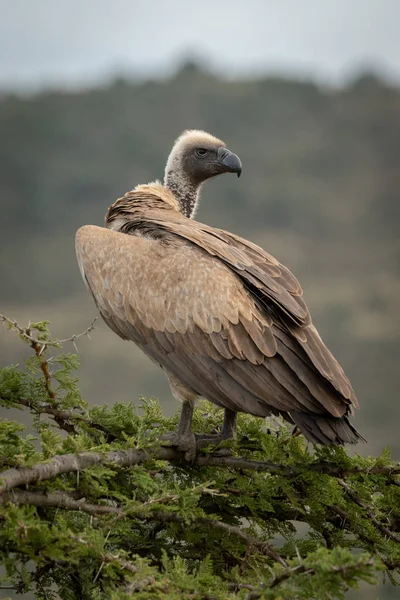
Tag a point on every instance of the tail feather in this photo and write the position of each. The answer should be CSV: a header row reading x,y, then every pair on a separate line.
x,y
326,430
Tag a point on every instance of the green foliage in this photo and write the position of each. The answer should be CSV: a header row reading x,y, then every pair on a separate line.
x,y
159,528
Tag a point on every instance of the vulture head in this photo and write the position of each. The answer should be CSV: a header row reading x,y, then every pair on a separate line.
x,y
195,157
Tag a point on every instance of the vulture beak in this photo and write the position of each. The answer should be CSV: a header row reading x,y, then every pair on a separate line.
x,y
230,162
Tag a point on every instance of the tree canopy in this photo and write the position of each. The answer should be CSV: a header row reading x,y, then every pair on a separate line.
x,y
93,507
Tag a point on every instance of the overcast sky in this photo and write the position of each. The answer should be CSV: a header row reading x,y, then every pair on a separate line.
x,y
73,42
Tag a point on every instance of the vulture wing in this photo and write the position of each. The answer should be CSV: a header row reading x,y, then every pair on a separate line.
x,y
274,288
219,314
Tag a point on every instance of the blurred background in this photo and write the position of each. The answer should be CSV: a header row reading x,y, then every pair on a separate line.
x,y
93,94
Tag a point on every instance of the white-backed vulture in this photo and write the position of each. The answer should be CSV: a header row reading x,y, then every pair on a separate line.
x,y
223,318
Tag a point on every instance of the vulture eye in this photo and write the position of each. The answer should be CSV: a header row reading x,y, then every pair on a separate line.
x,y
201,152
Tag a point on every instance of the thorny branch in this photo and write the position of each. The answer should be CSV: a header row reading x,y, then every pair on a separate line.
x,y
337,510
44,365
65,501
39,346
255,592
111,558
370,512
62,417
321,467
69,463
303,570
25,332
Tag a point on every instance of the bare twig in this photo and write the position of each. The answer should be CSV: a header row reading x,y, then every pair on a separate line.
x,y
44,365
25,332
76,336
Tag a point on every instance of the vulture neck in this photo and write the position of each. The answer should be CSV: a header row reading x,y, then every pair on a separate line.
x,y
186,191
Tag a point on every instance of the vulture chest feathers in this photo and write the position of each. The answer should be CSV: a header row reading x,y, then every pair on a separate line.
x,y
223,318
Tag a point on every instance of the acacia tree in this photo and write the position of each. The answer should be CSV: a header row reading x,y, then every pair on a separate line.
x,y
93,507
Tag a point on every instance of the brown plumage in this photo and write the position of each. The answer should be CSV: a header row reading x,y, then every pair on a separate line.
x,y
222,317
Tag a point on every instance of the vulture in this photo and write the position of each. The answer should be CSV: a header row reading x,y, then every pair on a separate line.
x,y
222,317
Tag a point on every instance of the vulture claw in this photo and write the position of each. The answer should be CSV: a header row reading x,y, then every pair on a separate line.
x,y
191,443
205,440
184,442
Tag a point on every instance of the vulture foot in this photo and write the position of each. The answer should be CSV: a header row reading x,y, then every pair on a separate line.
x,y
191,443
183,438
228,432
202,441
184,442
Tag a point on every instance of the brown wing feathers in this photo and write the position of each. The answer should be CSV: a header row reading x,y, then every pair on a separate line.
x,y
271,280
277,289
218,313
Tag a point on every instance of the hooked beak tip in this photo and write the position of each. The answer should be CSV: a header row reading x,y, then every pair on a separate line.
x,y
230,161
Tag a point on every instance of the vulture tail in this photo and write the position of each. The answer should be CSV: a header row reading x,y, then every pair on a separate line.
x,y
326,430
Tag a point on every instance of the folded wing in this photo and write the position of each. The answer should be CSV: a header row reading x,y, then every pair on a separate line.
x,y
221,315
272,286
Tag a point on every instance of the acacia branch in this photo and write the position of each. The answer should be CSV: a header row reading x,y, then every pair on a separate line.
x,y
62,417
44,365
390,564
65,501
256,592
69,463
57,500
321,467
25,332
370,512
110,558
251,541
39,346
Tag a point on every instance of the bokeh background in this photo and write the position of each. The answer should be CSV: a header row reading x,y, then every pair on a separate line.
x,y
93,94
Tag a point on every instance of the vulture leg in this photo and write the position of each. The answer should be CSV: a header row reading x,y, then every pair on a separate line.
x,y
187,441
229,427
228,432
183,438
